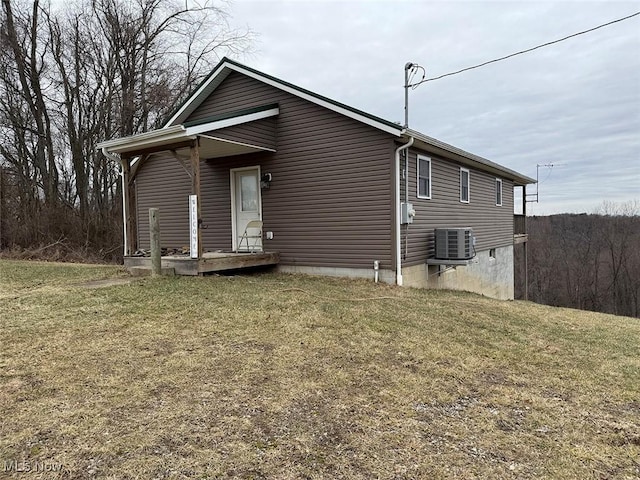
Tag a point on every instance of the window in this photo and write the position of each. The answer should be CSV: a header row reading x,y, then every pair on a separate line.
x,y
498,192
249,192
424,177
492,253
464,185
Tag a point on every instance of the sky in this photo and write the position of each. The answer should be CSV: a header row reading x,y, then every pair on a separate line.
x,y
574,105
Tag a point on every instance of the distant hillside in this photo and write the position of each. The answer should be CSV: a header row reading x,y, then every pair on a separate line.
x,y
590,262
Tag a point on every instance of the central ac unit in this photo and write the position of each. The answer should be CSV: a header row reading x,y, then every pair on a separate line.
x,y
454,243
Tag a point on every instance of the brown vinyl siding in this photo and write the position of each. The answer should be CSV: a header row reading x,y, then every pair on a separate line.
x,y
261,133
163,183
492,225
329,203
236,92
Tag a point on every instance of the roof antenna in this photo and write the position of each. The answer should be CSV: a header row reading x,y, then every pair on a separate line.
x,y
410,69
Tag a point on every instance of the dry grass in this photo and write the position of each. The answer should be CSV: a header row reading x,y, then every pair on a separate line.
x,y
252,377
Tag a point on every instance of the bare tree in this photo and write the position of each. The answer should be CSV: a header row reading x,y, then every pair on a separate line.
x,y
73,76
21,34
587,261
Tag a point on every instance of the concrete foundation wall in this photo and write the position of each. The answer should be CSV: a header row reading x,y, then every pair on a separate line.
x,y
489,276
384,276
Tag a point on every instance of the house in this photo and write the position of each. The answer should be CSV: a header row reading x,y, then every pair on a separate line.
x,y
338,191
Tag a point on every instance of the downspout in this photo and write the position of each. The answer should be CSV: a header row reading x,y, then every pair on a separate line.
x,y
398,211
406,200
112,157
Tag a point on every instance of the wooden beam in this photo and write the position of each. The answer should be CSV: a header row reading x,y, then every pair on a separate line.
x,y
194,150
182,161
143,158
160,148
216,263
235,261
130,213
126,174
137,166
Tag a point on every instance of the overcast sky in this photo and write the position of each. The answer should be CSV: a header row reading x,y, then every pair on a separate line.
x,y
575,104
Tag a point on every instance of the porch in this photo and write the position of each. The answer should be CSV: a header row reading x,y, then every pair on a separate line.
x,y
520,234
209,262
192,145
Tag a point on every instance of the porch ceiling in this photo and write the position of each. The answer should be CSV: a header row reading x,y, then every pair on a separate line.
x,y
212,147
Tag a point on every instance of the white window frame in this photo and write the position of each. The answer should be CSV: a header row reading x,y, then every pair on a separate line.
x,y
498,192
427,159
468,199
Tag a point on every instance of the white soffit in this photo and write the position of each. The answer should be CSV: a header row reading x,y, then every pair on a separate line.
x,y
180,133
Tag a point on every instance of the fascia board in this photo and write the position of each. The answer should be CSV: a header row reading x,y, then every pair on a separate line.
x,y
141,137
207,86
151,142
223,70
470,159
318,101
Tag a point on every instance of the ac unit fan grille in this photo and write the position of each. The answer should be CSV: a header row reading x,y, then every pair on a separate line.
x,y
454,243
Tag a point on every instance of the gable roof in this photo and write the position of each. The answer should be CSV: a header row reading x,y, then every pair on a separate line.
x,y
226,66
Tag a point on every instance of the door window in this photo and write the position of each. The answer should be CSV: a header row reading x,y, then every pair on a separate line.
x,y
249,193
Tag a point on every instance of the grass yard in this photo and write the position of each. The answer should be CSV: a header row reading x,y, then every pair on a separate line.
x,y
291,377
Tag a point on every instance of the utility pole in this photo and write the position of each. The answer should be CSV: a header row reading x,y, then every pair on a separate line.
x,y
409,70
407,67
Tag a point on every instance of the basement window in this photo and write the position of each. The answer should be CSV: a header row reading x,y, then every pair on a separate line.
x,y
424,177
498,192
464,185
492,253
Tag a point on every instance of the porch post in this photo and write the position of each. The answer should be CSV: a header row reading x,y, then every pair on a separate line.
x,y
129,207
195,187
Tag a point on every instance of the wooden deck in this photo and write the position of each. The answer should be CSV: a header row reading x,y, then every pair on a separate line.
x,y
210,262
520,238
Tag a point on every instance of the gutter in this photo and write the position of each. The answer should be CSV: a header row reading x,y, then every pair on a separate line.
x,y
470,159
398,210
112,157
145,137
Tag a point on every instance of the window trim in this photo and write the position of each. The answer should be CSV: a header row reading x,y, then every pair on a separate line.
x,y
428,159
468,200
498,192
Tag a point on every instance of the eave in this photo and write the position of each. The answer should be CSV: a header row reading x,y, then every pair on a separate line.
x,y
178,136
466,158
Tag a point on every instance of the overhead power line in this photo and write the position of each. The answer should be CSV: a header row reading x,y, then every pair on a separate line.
x,y
525,51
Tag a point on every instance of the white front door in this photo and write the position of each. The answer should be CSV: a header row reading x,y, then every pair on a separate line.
x,y
246,206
